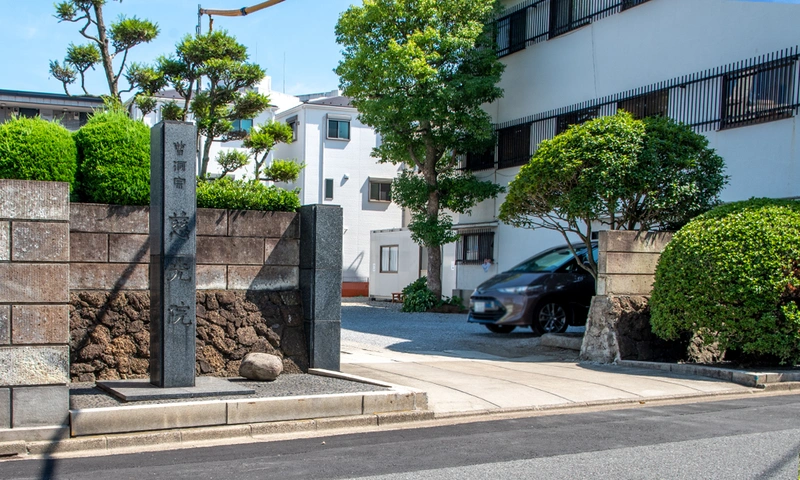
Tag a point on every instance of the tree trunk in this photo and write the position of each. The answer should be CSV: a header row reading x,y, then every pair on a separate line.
x,y
105,54
205,159
432,210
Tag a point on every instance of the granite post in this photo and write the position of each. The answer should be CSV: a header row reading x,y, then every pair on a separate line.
x,y
321,282
173,246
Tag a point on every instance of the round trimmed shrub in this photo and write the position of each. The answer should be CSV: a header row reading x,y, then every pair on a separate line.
x,y
35,149
114,159
732,275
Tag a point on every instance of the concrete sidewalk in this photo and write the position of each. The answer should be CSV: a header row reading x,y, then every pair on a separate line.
x,y
464,383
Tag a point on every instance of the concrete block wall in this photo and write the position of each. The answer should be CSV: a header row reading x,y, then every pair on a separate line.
x,y
236,250
627,260
34,310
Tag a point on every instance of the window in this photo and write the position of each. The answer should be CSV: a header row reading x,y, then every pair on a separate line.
x,y
389,258
480,161
243,125
475,246
292,122
339,129
28,112
653,104
380,190
758,94
626,4
512,32
328,189
566,15
564,121
514,146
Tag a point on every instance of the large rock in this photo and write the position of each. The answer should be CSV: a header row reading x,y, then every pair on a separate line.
x,y
261,366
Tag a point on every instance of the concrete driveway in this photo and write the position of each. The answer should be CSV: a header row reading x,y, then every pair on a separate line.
x,y
466,369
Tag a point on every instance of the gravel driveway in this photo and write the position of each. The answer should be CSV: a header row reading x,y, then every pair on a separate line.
x,y
381,325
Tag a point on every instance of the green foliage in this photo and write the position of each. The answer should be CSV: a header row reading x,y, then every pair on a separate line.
x,y
616,171
35,149
282,171
733,275
418,298
418,71
231,160
262,140
245,195
114,159
105,43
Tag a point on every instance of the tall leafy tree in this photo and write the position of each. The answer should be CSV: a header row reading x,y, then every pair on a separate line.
x,y
105,45
418,72
221,62
262,140
616,171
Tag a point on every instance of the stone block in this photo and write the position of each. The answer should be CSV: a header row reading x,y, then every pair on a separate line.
x,y
631,241
358,421
89,217
274,428
128,248
34,283
40,324
34,366
36,437
627,263
250,223
5,241
293,408
321,294
324,343
88,247
321,242
230,250
392,418
95,421
215,433
625,284
280,251
138,441
108,276
5,324
262,278
212,277
67,445
212,221
5,408
39,242
40,406
30,200
12,449
381,402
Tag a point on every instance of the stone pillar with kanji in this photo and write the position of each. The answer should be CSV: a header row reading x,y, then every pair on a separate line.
x,y
173,217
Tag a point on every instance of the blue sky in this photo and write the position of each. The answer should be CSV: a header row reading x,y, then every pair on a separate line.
x,y
301,29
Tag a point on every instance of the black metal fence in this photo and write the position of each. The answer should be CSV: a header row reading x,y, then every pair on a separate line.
x,y
756,90
535,21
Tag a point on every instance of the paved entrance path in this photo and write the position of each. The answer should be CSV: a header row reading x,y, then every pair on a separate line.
x,y
471,382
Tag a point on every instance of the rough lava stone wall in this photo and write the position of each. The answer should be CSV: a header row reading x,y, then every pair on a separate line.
x,y
110,336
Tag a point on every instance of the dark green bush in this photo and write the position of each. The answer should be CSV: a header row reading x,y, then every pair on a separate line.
x,y
417,298
35,149
114,159
733,275
245,195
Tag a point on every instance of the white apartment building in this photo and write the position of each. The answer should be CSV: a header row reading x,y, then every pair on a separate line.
x,y
728,68
339,170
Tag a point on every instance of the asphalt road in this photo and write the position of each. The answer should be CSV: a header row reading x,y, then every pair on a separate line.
x,y
380,324
756,437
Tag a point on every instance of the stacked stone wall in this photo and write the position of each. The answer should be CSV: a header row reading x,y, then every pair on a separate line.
x,y
34,312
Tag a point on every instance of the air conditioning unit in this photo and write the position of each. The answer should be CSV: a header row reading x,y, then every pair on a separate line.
x,y
76,115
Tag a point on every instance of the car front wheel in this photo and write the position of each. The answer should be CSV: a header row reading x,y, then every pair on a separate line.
x,y
494,328
550,317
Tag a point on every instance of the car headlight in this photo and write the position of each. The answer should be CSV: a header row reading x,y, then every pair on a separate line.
x,y
522,289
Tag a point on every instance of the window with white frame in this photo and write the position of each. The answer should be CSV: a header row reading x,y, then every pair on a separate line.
x,y
380,190
292,122
339,127
243,125
328,189
389,254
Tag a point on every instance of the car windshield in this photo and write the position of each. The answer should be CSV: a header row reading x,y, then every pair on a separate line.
x,y
548,261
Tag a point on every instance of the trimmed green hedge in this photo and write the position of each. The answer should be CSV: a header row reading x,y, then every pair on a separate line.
x,y
35,149
245,195
114,159
733,275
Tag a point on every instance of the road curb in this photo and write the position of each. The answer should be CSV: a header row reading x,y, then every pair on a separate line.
x,y
746,378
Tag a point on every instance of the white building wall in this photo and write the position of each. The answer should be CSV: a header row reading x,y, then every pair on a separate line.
x,y
653,42
350,164
383,284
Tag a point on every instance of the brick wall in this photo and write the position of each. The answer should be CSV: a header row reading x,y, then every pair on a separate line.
x,y
34,310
